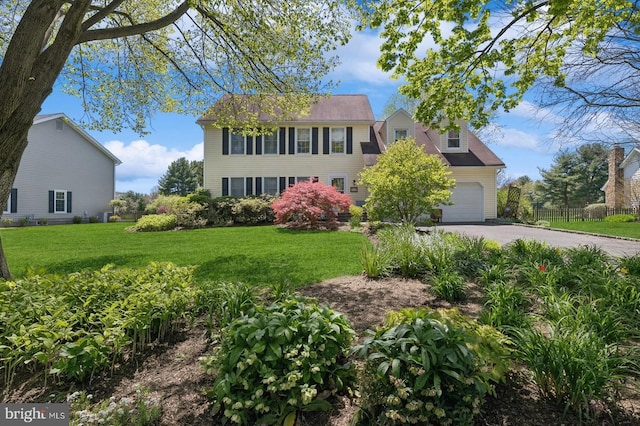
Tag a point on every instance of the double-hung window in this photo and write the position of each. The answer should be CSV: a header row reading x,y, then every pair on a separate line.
x,y
7,207
270,185
303,141
236,187
60,202
400,134
270,143
237,141
453,139
338,140
338,182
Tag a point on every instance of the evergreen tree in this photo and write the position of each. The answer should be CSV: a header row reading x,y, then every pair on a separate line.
x,y
180,179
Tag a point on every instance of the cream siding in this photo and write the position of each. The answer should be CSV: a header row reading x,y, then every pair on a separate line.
x,y
485,176
464,139
218,166
399,120
57,157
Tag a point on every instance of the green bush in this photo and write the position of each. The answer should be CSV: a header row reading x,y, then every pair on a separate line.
x,y
154,223
221,210
620,218
356,213
94,219
505,307
77,325
376,261
114,218
43,221
278,359
449,285
77,219
407,248
7,222
596,211
425,370
188,214
253,210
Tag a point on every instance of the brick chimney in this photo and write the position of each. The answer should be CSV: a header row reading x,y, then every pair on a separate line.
x,y
614,192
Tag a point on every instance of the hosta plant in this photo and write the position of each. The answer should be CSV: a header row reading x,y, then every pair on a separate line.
x,y
423,370
279,359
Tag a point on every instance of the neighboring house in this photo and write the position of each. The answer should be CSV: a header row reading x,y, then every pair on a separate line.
x,y
622,189
333,143
63,173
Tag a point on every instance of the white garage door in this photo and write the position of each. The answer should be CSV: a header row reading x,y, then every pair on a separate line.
x,y
468,204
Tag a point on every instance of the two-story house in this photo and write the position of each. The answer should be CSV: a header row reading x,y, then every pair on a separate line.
x,y
63,173
333,143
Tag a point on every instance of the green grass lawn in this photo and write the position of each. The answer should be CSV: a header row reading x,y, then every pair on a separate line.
x,y
260,255
628,229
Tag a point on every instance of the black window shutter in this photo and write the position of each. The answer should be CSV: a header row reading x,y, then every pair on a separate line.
x,y
258,185
292,140
292,181
325,140
14,201
349,140
283,184
314,140
249,145
225,187
248,185
68,201
258,145
225,141
52,200
283,142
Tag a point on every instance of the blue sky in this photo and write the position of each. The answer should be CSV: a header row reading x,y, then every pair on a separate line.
x,y
523,140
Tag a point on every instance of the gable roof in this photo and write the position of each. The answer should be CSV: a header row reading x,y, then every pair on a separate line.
x,y
629,158
43,118
335,108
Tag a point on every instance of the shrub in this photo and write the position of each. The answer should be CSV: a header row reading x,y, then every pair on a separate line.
x,y
94,219
449,285
77,219
253,210
424,370
278,359
7,222
114,218
188,214
356,213
573,366
221,210
407,248
154,223
43,221
620,218
376,261
23,221
310,205
596,211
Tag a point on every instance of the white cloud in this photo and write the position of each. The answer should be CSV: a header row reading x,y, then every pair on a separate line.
x,y
142,160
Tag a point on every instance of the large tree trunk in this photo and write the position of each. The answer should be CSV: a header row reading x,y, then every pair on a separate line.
x,y
28,71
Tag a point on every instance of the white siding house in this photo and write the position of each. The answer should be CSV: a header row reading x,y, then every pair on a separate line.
x,y
63,173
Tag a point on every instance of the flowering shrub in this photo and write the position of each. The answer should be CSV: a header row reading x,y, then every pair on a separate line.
x,y
188,214
427,370
310,205
278,359
154,222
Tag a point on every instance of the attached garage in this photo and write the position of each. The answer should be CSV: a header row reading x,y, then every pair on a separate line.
x,y
468,203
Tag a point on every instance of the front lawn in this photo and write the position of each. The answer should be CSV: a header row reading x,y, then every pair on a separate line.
x,y
627,230
259,255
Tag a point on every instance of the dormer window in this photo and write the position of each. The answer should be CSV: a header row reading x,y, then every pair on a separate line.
x,y
453,139
400,134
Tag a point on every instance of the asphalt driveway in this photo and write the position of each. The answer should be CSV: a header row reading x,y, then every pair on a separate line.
x,y
505,233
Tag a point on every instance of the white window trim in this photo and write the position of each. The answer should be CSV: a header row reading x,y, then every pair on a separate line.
x,y
454,148
400,129
8,206
344,141
338,176
277,135
277,178
244,186
55,201
244,143
310,141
